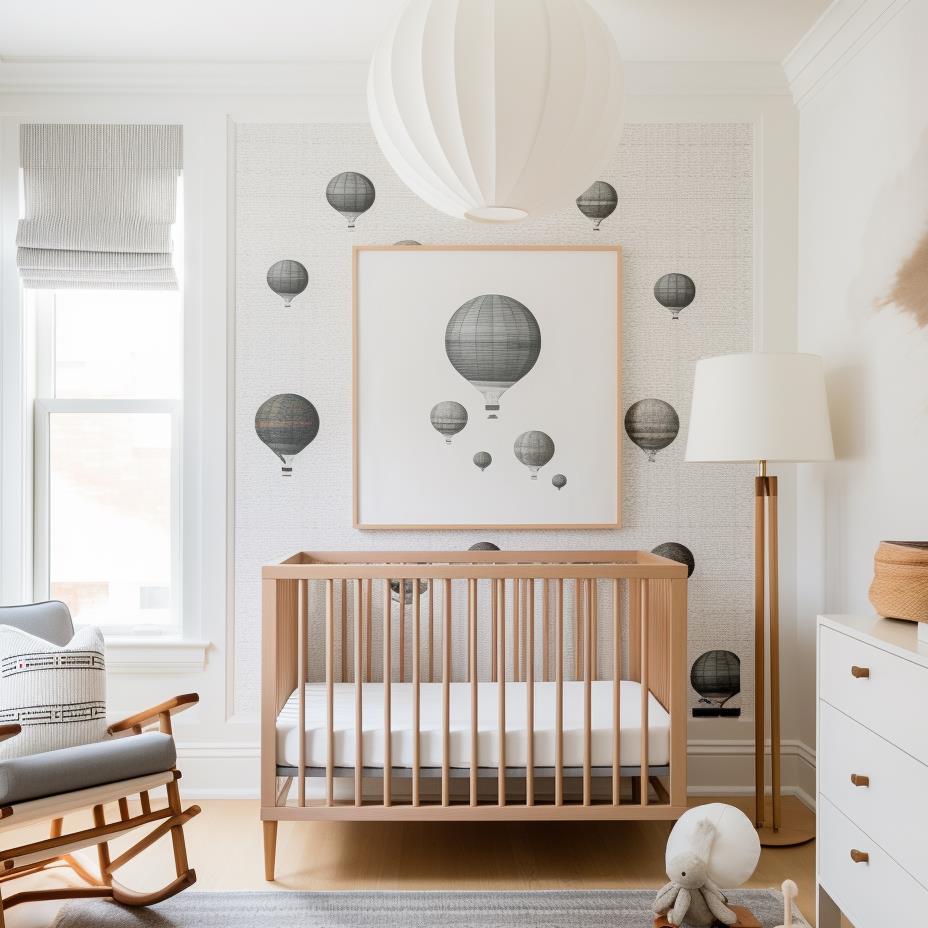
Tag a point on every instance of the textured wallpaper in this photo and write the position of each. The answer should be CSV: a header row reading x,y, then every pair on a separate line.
x,y
684,206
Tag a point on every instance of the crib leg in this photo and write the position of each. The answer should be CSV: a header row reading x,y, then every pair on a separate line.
x,y
270,849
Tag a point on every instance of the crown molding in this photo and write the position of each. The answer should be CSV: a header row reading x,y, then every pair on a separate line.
x,y
846,27
333,78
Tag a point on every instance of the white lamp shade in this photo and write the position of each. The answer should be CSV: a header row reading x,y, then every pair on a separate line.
x,y
759,407
493,110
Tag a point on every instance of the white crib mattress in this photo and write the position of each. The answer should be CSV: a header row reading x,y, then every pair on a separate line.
x,y
430,725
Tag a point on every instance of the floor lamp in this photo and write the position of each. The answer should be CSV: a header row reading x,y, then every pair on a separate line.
x,y
762,408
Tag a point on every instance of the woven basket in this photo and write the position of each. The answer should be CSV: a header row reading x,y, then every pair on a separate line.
x,y
900,580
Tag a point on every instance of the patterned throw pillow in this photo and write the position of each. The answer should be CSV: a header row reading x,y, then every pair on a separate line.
x,y
57,694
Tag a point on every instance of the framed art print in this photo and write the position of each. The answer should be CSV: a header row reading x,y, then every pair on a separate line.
x,y
487,387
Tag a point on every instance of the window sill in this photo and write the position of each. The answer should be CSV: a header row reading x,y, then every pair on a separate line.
x,y
126,654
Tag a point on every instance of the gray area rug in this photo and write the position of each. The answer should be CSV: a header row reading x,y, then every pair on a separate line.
x,y
559,909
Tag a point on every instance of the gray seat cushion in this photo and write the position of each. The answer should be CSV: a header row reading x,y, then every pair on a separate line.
x,y
56,772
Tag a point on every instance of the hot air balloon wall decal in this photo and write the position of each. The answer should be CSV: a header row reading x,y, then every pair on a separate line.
x,y
350,194
287,423
493,341
288,279
598,202
675,292
716,677
652,425
677,552
486,387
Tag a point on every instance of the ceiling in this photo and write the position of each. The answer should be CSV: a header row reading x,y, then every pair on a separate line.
x,y
346,30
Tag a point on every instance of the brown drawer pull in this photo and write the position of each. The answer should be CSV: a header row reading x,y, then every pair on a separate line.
x,y
859,779
860,672
859,857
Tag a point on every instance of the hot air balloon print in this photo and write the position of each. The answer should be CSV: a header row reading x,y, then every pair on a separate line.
x,y
350,194
407,242
484,546
448,418
286,423
493,341
534,450
598,202
716,676
677,552
407,590
652,425
559,481
287,279
675,292
483,459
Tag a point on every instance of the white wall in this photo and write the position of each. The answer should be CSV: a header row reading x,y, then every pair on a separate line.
x,y
863,210
218,747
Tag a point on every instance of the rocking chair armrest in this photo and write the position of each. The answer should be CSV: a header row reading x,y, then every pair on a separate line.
x,y
161,713
9,731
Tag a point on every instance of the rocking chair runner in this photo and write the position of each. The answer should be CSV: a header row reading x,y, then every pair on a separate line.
x,y
52,785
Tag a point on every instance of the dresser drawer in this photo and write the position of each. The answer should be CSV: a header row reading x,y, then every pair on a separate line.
x,y
896,793
889,699
875,894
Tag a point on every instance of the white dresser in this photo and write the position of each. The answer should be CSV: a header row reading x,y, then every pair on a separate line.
x,y
872,851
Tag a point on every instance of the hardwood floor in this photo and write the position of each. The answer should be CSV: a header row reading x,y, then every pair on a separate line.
x,y
225,847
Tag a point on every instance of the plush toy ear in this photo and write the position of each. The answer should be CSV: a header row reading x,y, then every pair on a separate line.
x,y
703,838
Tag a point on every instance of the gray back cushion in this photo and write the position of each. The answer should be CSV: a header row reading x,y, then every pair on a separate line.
x,y
51,620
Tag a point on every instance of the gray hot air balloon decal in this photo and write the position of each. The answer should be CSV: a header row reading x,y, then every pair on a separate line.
x,y
484,546
559,481
287,279
534,450
407,590
652,425
677,552
350,194
286,423
598,202
675,292
407,241
493,341
716,676
483,459
448,418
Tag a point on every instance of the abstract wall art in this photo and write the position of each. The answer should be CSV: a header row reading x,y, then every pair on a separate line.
x,y
515,352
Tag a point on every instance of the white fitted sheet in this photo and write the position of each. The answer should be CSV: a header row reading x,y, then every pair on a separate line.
x,y
430,725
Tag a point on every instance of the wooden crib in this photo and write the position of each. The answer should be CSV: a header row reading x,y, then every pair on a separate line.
x,y
579,657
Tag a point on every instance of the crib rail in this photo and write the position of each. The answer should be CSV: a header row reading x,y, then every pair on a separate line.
x,y
335,618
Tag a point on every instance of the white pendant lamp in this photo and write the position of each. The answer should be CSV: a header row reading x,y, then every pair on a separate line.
x,y
494,110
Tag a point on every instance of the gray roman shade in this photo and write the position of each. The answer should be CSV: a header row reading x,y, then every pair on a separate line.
x,y
100,203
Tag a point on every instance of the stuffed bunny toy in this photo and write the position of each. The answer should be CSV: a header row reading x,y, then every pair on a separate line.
x,y
691,898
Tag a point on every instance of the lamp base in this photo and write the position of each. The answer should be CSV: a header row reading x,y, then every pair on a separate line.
x,y
797,826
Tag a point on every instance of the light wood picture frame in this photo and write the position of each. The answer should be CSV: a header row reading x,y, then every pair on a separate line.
x,y
486,386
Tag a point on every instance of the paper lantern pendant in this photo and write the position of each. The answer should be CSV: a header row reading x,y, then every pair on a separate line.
x,y
494,110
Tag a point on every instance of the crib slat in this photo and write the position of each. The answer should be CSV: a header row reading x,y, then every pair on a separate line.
x,y
472,650
431,630
644,691
470,666
593,607
302,618
402,629
616,693
387,681
416,616
446,698
358,697
678,646
559,686
494,621
516,669
587,697
530,697
368,595
545,656
579,596
501,688
344,604
330,691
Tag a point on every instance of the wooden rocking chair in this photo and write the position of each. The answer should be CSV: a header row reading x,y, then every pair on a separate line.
x,y
49,786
